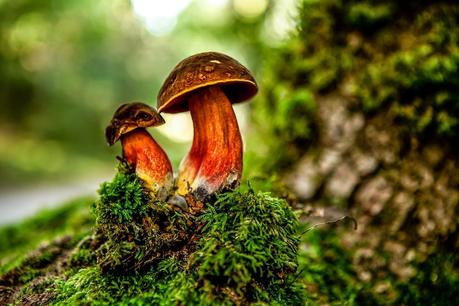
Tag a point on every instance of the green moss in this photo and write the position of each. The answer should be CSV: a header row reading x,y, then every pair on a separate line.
x,y
122,200
419,82
278,121
82,257
17,239
39,286
245,251
366,15
132,229
241,249
32,274
436,283
400,57
326,268
249,245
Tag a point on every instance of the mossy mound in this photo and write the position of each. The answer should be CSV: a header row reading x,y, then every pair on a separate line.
x,y
242,249
246,253
133,230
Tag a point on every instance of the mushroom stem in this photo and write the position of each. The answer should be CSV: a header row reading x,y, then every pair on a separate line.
x,y
215,158
149,160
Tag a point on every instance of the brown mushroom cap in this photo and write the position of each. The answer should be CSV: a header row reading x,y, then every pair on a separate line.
x,y
201,70
129,117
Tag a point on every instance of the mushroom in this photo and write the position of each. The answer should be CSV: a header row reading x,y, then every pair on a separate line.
x,y
140,150
207,84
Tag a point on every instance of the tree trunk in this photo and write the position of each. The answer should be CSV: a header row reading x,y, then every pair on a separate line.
x,y
402,192
361,108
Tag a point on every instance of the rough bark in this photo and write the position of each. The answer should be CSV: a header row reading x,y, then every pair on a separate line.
x,y
363,104
403,193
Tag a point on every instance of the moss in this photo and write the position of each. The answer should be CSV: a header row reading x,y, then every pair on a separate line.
x,y
72,218
249,247
245,251
436,283
367,15
241,249
419,81
378,56
326,268
133,230
82,257
30,274
121,201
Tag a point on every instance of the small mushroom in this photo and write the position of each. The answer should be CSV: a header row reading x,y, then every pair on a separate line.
x,y
207,84
140,150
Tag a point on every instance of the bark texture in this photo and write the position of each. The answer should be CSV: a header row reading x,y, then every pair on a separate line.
x,y
403,193
362,108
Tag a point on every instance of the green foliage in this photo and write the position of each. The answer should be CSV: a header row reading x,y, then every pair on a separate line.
x,y
65,61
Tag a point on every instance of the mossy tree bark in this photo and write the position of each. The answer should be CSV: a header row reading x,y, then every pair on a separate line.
x,y
403,193
368,115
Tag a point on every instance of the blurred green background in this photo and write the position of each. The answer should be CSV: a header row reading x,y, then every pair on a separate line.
x,y
65,66
342,84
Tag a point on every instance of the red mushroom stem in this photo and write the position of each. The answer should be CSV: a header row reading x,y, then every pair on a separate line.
x,y
215,158
149,160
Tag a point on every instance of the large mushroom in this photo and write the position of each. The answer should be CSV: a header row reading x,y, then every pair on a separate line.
x,y
140,150
207,84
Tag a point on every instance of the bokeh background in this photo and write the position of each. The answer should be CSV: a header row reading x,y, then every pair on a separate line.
x,y
357,115
65,66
